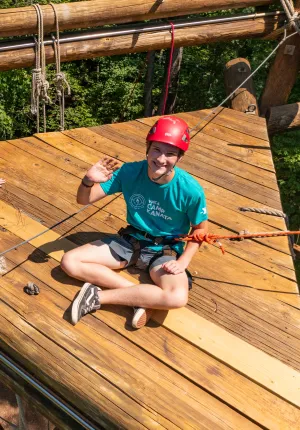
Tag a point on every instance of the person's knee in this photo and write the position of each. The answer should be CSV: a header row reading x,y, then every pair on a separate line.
x,y
69,263
176,298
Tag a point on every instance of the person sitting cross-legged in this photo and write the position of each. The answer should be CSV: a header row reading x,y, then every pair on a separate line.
x,y
163,202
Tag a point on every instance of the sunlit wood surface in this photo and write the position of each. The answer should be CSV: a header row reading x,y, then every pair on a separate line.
x,y
229,360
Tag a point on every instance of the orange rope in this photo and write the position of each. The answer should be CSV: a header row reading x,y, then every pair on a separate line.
x,y
214,238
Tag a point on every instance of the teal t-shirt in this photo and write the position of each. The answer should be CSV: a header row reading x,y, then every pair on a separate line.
x,y
159,209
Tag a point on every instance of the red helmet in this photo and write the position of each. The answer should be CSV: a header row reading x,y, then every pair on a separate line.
x,y
171,130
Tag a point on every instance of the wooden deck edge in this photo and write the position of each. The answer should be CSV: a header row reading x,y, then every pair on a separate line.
x,y
227,348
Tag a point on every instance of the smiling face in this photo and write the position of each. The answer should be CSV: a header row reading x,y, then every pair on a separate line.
x,y
162,157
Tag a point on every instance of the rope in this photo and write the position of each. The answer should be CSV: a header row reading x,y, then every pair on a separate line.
x,y
40,85
214,238
246,80
60,78
169,69
293,17
265,211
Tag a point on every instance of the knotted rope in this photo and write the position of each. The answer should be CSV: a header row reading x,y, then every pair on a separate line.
x,y
265,211
40,85
292,15
60,79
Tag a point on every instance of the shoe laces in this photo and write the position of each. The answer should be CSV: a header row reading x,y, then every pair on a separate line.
x,y
92,307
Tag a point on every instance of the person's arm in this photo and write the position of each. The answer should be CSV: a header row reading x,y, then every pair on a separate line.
x,y
178,266
89,191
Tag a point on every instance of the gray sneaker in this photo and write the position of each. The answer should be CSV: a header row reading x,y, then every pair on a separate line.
x,y
141,316
86,302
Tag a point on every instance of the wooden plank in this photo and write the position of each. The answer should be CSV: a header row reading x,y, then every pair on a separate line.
x,y
202,140
218,379
147,41
35,401
230,120
248,124
236,138
289,388
56,367
153,386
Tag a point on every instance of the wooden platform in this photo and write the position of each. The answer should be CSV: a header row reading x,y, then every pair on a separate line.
x,y
229,360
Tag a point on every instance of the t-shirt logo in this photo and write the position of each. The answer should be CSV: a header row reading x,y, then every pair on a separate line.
x,y
137,201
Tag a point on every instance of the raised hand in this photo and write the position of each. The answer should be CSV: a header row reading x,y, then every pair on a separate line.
x,y
2,181
102,171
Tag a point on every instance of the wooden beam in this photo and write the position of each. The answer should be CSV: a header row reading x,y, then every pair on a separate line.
x,y
244,99
283,118
283,73
21,21
117,45
238,354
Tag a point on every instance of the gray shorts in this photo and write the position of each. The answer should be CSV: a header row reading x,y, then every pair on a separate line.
x,y
123,250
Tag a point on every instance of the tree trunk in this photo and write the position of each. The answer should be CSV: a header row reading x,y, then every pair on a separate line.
x,y
283,73
283,118
148,111
94,13
174,82
118,45
244,99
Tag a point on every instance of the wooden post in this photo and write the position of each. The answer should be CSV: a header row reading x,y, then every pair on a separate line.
x,y
94,13
283,118
150,41
283,73
244,99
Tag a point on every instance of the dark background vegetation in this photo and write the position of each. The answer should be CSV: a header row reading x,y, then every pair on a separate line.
x,y
102,93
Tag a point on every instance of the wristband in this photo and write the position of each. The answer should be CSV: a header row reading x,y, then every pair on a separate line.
x,y
85,185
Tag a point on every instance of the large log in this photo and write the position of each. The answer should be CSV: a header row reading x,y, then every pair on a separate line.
x,y
21,21
208,33
244,99
283,118
283,73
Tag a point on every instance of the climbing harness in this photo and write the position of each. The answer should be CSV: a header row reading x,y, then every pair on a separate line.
x,y
40,85
60,79
215,238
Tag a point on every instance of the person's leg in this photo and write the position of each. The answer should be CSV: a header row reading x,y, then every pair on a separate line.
x,y
170,292
95,263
